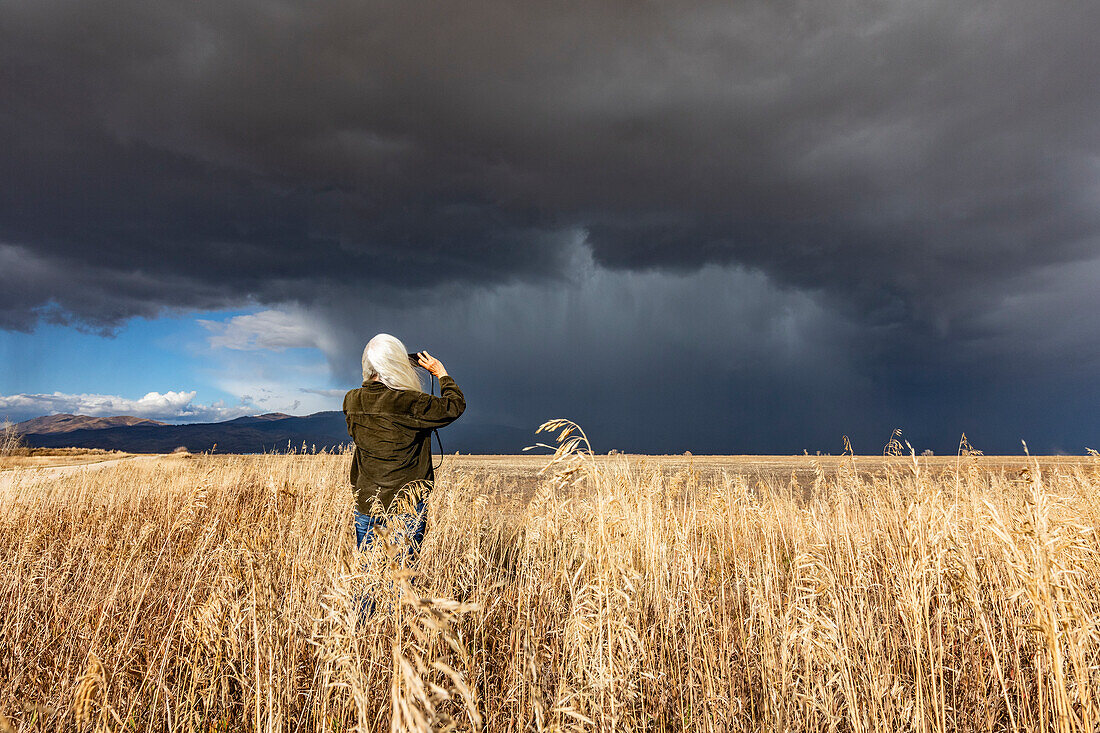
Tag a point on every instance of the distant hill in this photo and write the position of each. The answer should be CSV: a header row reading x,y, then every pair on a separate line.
x,y
66,423
266,417
258,434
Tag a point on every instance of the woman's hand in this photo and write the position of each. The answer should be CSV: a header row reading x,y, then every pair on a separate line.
x,y
433,365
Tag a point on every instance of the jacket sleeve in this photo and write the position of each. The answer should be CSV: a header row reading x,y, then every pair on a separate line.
x,y
428,411
347,417
353,470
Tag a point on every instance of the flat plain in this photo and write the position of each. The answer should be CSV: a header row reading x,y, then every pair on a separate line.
x,y
556,592
522,471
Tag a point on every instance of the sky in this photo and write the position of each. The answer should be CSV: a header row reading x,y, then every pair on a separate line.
x,y
749,227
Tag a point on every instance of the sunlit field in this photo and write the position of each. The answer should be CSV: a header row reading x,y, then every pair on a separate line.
x,y
617,593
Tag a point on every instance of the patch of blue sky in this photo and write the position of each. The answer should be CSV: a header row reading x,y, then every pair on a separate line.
x,y
144,355
160,354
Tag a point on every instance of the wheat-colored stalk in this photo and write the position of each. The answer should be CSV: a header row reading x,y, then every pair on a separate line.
x,y
88,690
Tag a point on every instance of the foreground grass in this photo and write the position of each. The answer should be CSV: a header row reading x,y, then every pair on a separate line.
x,y
219,593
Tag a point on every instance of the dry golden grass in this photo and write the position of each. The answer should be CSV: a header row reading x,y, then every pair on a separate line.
x,y
58,457
14,453
220,594
11,442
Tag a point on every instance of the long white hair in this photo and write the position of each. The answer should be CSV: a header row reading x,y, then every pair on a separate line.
x,y
387,357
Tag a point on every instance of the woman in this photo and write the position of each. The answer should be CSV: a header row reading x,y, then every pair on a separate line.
x,y
391,419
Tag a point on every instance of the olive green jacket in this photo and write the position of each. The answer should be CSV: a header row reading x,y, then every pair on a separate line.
x,y
392,430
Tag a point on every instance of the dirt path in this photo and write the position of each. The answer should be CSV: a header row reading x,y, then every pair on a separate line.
x,y
8,476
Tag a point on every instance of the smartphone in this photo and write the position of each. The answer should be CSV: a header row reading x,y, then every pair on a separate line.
x,y
415,359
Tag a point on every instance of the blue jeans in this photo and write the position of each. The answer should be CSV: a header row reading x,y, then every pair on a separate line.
x,y
414,528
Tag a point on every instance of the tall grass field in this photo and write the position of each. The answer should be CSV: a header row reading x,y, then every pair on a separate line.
x,y
224,593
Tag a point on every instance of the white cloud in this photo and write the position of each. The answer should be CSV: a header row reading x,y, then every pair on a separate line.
x,y
240,360
170,406
273,330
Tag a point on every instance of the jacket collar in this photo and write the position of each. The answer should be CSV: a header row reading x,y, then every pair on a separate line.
x,y
370,383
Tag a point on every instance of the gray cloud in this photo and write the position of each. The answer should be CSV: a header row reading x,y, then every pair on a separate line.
x,y
922,176
270,329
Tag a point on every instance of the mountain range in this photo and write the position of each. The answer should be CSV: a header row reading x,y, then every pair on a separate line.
x,y
68,423
255,434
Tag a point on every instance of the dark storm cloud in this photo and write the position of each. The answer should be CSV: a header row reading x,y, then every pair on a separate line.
x,y
707,361
927,172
